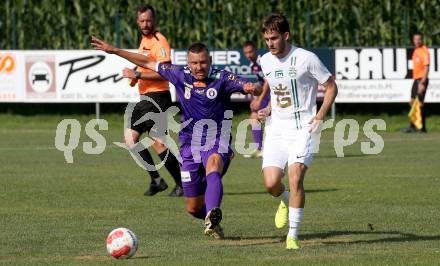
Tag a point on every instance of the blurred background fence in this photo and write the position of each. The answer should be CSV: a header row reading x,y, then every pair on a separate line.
x,y
63,24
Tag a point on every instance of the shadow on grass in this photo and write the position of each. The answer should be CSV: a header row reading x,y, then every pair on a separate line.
x,y
239,238
145,257
252,241
395,236
325,238
264,192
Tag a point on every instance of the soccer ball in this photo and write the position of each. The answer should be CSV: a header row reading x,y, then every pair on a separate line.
x,y
122,243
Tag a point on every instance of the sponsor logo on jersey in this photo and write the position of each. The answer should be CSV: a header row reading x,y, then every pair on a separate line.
x,y
283,98
279,73
200,91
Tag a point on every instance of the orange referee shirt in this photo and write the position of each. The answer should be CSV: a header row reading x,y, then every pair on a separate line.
x,y
157,48
420,58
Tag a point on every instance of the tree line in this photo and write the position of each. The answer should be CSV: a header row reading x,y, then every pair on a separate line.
x,y
64,24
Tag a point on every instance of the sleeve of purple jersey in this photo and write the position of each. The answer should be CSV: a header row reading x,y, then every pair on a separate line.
x,y
169,72
234,83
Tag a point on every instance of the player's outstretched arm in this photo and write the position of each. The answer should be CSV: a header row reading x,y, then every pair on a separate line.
x,y
131,74
135,58
252,88
264,113
255,104
265,90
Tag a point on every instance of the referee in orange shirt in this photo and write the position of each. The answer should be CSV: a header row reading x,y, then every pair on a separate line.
x,y
151,84
420,59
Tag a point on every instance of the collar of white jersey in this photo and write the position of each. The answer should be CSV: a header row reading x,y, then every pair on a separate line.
x,y
292,49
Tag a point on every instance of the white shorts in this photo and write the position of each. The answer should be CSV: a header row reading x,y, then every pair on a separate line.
x,y
287,145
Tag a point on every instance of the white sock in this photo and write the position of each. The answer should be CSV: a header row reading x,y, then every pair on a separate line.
x,y
157,180
295,217
284,197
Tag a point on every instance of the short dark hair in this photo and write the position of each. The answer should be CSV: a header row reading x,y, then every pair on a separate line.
x,y
197,48
249,43
418,33
144,8
275,22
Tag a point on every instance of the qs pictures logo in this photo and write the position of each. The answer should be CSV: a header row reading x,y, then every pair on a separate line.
x,y
7,63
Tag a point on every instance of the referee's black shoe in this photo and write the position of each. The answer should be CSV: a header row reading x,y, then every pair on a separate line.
x,y
156,188
176,192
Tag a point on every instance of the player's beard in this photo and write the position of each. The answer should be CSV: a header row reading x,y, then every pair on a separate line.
x,y
147,31
201,75
282,49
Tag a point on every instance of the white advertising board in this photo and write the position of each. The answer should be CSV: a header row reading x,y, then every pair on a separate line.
x,y
368,75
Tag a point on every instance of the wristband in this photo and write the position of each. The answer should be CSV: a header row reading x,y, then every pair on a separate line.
x,y
137,74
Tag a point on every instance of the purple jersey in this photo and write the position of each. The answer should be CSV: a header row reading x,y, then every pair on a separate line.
x,y
203,101
207,99
258,72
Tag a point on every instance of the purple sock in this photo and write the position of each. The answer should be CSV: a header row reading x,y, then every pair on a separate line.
x,y
257,134
214,191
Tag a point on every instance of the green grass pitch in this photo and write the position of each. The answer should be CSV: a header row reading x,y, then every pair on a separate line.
x,y
360,209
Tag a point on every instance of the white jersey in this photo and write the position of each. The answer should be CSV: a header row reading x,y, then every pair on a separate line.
x,y
293,82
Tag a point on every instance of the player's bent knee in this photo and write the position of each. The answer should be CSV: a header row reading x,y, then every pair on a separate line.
x,y
214,164
194,205
193,209
274,187
273,190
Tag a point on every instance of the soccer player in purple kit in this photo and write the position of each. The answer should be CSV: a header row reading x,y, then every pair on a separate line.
x,y
204,94
259,102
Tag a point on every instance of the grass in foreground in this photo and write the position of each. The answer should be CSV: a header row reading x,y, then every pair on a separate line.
x,y
375,209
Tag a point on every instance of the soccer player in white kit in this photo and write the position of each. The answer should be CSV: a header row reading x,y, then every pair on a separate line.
x,y
293,75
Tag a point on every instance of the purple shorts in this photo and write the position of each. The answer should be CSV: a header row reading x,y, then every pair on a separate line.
x,y
193,171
